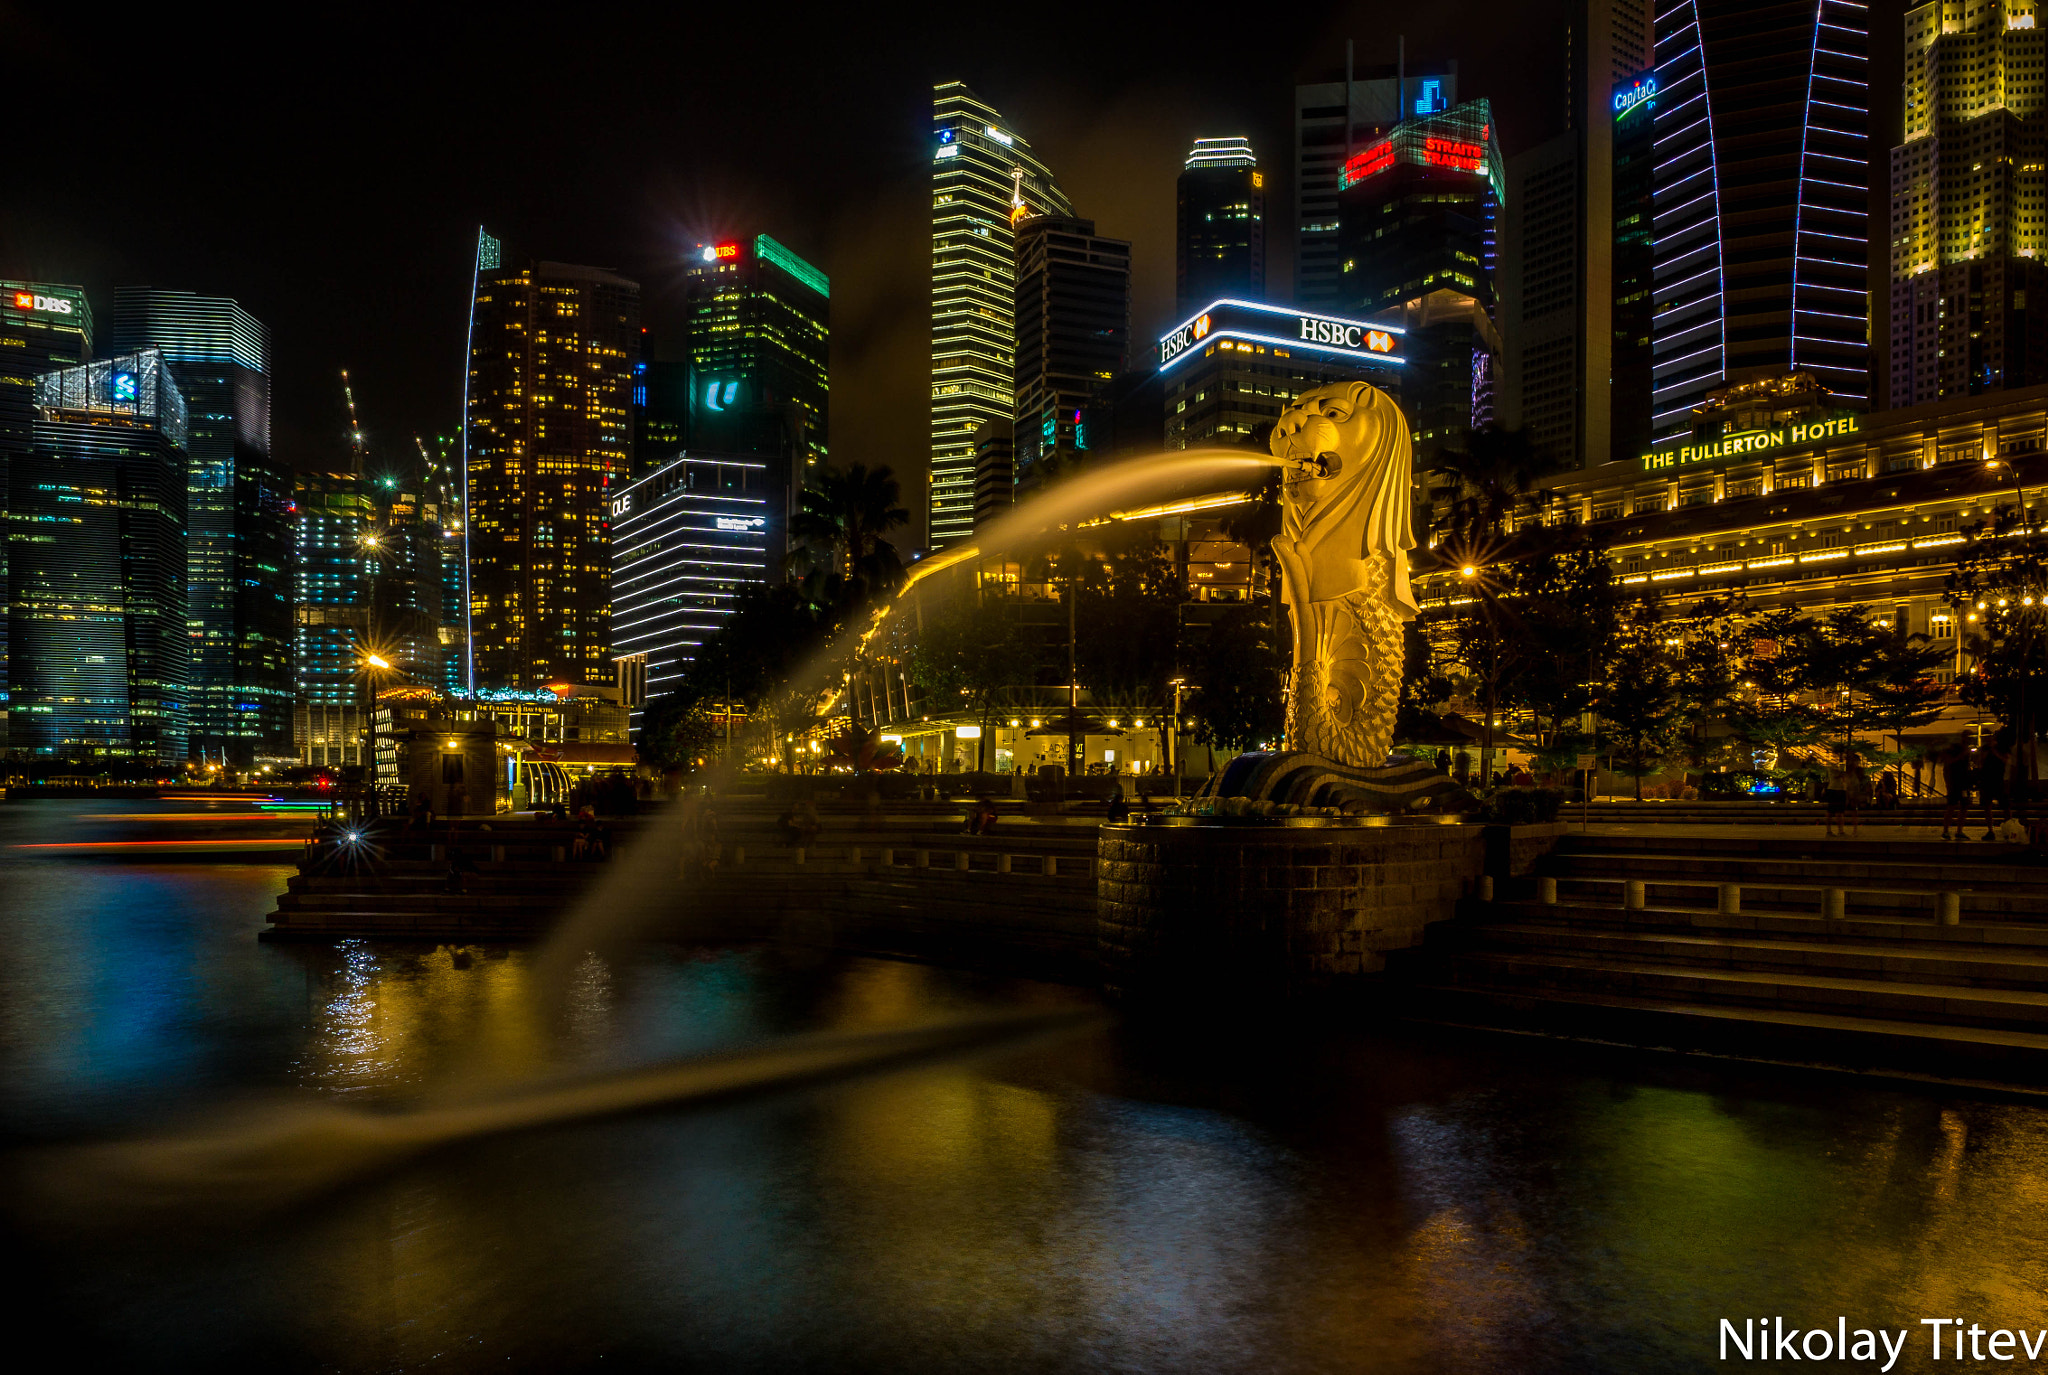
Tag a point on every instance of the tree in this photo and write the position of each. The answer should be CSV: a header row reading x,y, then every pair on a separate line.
x,y
1563,615
1999,592
1495,474
1127,602
846,518
973,650
675,730
1639,706
1240,682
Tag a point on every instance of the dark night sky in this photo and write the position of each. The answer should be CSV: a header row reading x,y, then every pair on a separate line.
x,y
330,174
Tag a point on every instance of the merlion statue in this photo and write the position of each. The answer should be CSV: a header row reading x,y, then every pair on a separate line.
x,y
1343,549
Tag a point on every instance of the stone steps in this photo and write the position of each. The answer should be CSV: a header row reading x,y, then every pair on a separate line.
x,y
1886,986
1949,1053
1974,966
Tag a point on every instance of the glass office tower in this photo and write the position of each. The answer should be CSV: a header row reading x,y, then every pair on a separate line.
x,y
42,327
1073,311
331,582
984,179
239,500
1219,226
1762,201
552,347
97,603
1969,211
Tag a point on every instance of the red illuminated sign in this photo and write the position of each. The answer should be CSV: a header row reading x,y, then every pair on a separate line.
x,y
1201,327
1450,152
1377,158
24,300
1379,342
728,250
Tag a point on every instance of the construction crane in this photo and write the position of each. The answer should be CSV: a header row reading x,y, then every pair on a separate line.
x,y
355,428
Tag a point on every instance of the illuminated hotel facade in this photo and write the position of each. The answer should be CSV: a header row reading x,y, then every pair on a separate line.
x,y
1230,369
1969,203
984,179
550,436
239,513
1761,201
1845,510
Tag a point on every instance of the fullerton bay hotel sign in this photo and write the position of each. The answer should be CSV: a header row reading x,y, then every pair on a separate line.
x,y
1280,327
1744,443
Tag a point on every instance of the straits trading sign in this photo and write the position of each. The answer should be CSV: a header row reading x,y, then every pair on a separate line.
x,y
1281,328
1743,443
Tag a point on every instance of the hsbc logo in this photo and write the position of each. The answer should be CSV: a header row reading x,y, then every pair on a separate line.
x,y
1339,334
49,305
1252,326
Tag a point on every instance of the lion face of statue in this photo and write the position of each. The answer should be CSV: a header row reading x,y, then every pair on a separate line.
x,y
1330,423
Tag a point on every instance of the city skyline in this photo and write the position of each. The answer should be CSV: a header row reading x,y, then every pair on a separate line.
x,y
383,295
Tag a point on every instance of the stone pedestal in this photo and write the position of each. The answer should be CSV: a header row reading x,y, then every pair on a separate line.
x,y
1223,910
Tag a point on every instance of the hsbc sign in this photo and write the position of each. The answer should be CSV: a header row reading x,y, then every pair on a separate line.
x,y
1345,335
1251,324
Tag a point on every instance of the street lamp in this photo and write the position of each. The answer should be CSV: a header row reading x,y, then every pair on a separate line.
x,y
2019,488
1173,736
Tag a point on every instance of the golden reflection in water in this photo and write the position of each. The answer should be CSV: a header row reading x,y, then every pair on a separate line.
x,y
388,1021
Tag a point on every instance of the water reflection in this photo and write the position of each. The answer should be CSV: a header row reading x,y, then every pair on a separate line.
x,y
1159,1198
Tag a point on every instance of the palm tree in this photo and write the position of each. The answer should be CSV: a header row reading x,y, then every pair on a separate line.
x,y
1495,473
846,515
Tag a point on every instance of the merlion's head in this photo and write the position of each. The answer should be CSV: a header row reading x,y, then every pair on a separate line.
x,y
1324,434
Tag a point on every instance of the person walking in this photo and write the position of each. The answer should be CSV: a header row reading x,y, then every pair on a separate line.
x,y
1858,786
1955,784
1992,764
1836,797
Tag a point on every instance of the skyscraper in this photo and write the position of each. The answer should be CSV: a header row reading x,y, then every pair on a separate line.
x,y
550,433
97,602
1332,119
1762,206
1226,373
1220,226
687,539
1563,223
1969,204
334,520
42,327
1073,311
984,179
758,333
239,521
1418,220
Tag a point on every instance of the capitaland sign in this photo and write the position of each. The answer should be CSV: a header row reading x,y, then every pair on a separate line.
x,y
1743,443
1280,327
1644,88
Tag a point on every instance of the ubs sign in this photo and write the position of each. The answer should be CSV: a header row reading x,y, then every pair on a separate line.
x,y
1269,325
